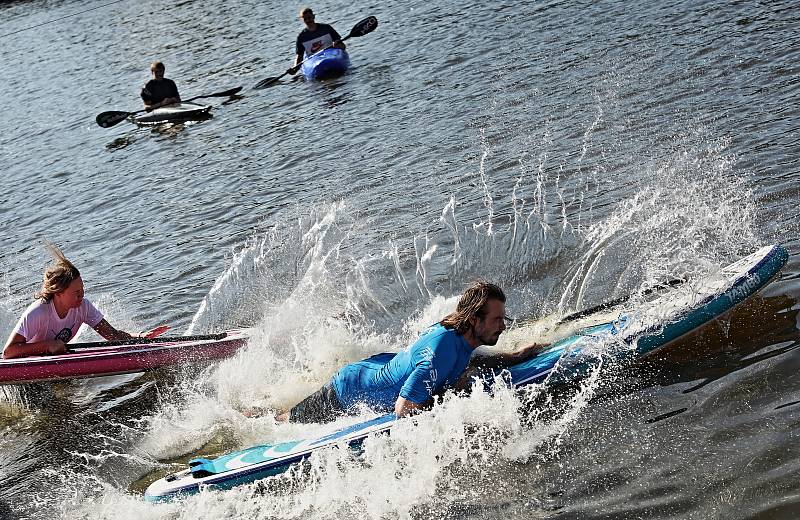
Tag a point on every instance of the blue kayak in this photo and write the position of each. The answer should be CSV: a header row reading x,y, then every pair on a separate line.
x,y
641,329
326,64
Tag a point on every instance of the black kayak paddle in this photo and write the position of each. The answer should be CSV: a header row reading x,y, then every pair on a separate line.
x,y
622,299
137,341
365,26
111,118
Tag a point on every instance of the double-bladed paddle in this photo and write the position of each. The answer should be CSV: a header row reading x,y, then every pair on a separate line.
x,y
111,118
161,329
365,26
617,301
137,341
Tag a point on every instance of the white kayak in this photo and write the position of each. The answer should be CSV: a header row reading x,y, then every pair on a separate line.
x,y
174,113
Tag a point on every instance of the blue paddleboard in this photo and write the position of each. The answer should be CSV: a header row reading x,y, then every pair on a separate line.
x,y
638,331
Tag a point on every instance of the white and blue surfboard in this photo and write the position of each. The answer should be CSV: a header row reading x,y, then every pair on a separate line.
x,y
639,331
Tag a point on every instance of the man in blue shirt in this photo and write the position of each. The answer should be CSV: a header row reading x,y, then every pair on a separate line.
x,y
408,381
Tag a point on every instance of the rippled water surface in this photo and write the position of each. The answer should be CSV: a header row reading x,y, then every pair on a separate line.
x,y
572,152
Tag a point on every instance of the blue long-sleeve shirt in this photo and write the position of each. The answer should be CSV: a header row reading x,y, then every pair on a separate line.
x,y
436,360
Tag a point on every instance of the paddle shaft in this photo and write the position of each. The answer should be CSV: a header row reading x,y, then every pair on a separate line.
x,y
224,93
138,341
617,301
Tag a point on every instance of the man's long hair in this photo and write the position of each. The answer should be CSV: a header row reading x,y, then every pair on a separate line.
x,y
57,277
472,305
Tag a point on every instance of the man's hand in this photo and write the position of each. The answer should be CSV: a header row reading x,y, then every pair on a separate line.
x,y
404,407
293,70
533,349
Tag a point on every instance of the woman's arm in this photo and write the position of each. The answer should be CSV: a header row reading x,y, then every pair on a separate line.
x,y
16,347
105,329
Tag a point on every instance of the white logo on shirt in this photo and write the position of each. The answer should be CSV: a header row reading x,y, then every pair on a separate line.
x,y
65,334
427,355
318,44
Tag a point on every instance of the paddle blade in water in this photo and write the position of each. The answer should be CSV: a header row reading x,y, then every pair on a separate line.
x,y
157,331
224,93
108,119
231,92
264,83
365,26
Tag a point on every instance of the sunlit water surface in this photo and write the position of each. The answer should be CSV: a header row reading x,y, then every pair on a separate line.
x,y
572,153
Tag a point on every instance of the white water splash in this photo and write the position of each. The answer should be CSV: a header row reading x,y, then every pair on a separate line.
x,y
314,308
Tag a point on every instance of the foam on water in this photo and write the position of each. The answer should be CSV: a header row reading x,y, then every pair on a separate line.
x,y
695,217
314,306
430,460
289,259
421,454
297,344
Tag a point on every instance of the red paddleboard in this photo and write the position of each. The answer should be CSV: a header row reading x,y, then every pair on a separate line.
x,y
121,357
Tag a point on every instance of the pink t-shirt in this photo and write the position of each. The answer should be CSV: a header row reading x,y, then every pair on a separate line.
x,y
40,322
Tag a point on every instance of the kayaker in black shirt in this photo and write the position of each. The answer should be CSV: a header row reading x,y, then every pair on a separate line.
x,y
314,38
159,91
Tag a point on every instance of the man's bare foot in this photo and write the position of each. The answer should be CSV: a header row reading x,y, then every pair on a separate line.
x,y
257,411
253,412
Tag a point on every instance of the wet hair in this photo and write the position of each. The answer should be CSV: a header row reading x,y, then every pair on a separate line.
x,y
157,65
306,10
472,305
57,277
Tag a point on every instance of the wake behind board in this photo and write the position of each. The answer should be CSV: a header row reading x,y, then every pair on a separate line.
x,y
90,360
643,329
657,323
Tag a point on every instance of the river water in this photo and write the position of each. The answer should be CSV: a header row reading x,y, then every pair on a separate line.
x,y
571,152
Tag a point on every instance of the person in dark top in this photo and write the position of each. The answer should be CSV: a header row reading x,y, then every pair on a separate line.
x,y
314,38
159,91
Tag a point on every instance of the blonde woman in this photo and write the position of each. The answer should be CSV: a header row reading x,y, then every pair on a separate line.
x,y
58,312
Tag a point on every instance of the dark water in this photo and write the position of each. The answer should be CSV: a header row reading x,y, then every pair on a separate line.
x,y
571,152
